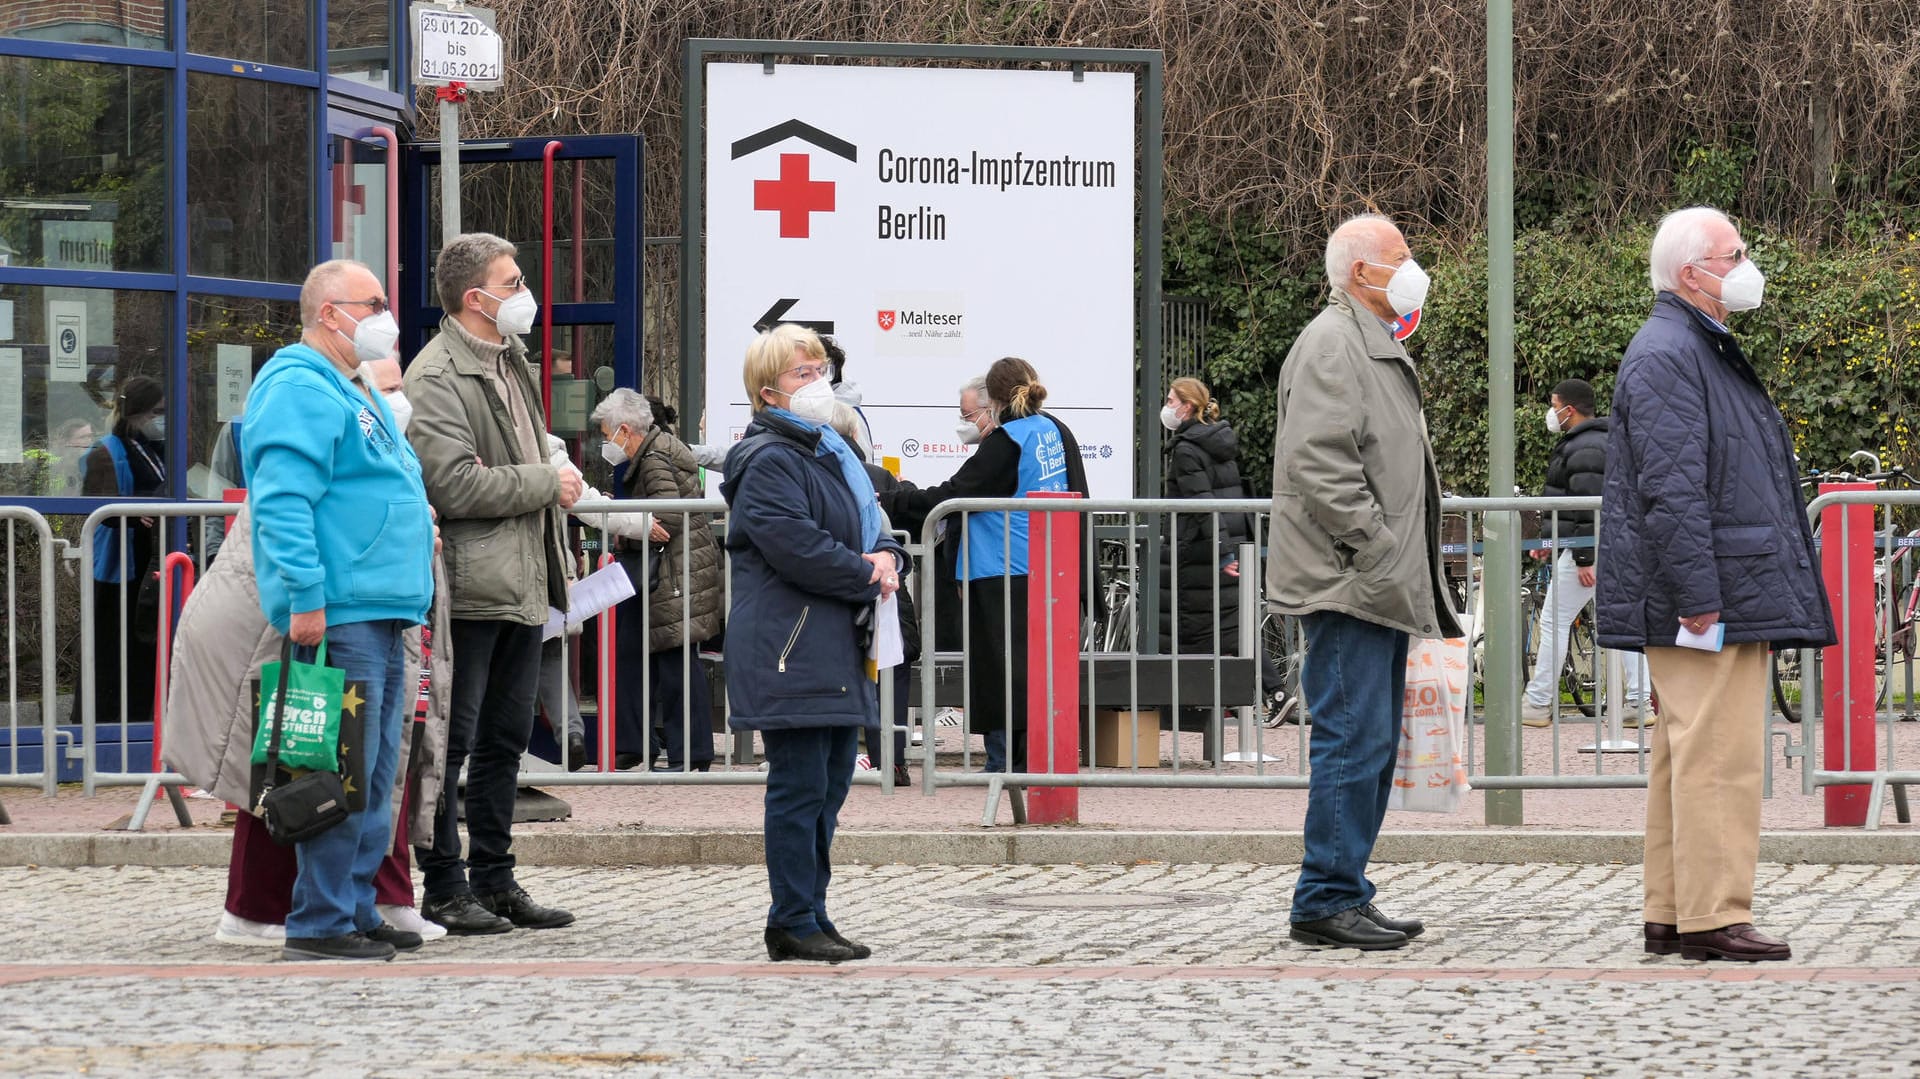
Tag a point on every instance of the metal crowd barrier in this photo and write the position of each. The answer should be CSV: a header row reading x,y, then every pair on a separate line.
x,y
51,745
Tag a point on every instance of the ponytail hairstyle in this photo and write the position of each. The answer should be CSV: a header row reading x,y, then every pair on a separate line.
x,y
140,395
1193,393
1013,384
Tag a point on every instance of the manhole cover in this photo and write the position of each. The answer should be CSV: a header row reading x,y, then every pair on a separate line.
x,y
1093,901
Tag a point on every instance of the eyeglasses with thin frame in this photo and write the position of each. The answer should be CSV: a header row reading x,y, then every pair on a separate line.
x,y
807,372
514,285
1736,256
375,305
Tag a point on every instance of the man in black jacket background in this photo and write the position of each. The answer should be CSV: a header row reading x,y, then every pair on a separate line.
x,y
1577,469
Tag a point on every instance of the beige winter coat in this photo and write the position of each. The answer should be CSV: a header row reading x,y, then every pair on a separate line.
x,y
1356,496
223,640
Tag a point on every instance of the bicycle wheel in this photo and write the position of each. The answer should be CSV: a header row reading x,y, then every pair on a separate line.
x,y
1280,640
1577,674
1786,683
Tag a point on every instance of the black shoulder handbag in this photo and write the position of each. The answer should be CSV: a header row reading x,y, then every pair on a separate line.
x,y
301,808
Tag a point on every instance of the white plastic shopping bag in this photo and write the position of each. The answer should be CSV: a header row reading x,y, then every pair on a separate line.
x,y
1430,775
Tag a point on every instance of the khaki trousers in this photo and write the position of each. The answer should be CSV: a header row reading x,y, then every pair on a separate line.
x,y
1703,793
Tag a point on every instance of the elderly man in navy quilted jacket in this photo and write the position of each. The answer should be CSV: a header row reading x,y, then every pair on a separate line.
x,y
1710,562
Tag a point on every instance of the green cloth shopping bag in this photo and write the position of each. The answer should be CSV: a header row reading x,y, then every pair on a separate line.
x,y
310,733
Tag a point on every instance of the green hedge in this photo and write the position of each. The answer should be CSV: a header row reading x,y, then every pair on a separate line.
x,y
1837,341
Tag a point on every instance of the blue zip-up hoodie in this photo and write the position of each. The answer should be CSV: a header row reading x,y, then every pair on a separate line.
x,y
340,518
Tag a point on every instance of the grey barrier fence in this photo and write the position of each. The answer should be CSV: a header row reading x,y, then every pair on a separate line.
x,y
1895,598
47,728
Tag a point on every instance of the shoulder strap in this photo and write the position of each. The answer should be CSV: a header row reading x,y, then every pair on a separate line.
x,y
279,714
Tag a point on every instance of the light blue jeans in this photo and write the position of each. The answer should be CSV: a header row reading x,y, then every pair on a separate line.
x,y
1565,598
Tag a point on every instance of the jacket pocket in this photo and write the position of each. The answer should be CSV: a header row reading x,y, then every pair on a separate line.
x,y
800,670
397,565
1741,541
477,556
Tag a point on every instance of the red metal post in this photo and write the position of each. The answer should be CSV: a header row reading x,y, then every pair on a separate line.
x,y
163,648
1053,647
608,671
546,279
1849,697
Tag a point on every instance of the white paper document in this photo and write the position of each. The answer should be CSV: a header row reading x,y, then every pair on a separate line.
x,y
1710,641
589,596
888,649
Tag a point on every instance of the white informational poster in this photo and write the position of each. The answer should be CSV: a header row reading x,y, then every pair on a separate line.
x,y
938,220
13,448
66,340
233,377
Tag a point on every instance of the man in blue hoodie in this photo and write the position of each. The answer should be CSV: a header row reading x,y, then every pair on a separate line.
x,y
343,549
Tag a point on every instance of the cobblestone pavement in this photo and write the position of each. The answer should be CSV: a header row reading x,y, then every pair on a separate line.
x,y
1147,969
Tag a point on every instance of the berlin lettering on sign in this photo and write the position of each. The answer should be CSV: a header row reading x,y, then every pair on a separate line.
x,y
456,44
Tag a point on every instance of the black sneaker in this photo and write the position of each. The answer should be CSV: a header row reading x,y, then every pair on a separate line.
x,y
401,939
519,908
1282,710
351,946
463,916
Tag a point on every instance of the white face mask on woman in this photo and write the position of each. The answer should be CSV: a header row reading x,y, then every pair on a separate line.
x,y
1170,417
812,402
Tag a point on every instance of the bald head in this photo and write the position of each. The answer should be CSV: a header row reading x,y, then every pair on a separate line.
x,y
382,376
332,282
1358,240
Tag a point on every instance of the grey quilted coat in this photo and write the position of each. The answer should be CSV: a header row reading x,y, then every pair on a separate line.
x,y
223,639
1702,509
687,592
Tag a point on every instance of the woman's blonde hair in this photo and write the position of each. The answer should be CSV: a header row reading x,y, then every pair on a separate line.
x,y
770,355
1194,394
1015,385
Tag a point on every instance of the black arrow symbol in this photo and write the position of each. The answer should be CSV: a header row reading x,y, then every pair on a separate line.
x,y
774,317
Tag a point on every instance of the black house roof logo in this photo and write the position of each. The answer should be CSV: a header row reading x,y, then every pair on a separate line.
x,y
795,195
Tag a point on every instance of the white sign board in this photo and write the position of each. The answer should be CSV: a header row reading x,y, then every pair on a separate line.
x,y
233,377
456,45
12,433
66,340
939,220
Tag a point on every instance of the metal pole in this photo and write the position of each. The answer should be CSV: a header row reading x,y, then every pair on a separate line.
x,y
449,172
1502,528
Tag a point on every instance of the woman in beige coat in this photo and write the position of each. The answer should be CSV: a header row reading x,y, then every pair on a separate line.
x,y
222,641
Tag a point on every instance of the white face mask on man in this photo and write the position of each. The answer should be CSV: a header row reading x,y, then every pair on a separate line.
x,y
516,313
1407,289
373,337
1743,287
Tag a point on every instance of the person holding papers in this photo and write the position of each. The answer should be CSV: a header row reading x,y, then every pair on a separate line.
x,y
810,558
1710,561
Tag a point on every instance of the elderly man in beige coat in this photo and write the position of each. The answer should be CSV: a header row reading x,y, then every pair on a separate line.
x,y
1356,556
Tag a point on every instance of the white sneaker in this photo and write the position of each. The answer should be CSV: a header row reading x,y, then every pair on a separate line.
x,y
1536,715
237,930
408,920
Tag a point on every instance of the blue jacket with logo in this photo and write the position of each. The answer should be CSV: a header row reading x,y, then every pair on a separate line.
x,y
340,517
1702,509
796,653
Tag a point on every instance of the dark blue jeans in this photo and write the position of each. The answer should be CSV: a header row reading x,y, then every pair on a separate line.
x,y
333,890
1354,679
809,770
496,677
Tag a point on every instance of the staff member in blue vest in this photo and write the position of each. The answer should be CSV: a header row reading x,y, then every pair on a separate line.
x,y
126,465
809,559
1028,451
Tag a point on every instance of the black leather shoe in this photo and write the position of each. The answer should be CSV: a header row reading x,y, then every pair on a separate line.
x,y
1409,927
1347,929
819,948
463,916
1662,939
902,777
519,908
1740,942
860,951
626,762
401,939
576,752
348,946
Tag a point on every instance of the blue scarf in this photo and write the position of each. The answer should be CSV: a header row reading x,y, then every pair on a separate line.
x,y
854,471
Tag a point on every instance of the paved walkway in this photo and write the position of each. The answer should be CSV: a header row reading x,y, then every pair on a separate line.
x,y
1149,969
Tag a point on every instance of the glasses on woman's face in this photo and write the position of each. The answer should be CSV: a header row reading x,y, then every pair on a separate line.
x,y
808,372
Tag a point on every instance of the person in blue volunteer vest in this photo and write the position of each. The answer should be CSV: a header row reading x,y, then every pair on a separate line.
x,y
127,465
810,559
343,549
1029,451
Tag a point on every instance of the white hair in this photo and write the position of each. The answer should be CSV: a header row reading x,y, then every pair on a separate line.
x,y
1351,243
977,385
1681,239
623,407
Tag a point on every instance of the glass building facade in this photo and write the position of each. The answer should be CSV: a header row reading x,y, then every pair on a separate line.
x,y
169,169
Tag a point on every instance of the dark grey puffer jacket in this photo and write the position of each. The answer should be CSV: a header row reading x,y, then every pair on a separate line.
x,y
688,583
1702,508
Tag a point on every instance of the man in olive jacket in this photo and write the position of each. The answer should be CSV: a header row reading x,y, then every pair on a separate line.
x,y
1356,556
479,431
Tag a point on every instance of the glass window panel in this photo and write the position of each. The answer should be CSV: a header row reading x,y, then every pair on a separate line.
x,y
360,42
228,339
506,199
134,24
264,31
83,154
359,194
65,355
249,178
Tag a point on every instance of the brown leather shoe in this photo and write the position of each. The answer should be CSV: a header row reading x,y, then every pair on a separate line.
x,y
1662,939
1740,942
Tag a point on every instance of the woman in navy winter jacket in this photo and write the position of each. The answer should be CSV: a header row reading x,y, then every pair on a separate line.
x,y
809,559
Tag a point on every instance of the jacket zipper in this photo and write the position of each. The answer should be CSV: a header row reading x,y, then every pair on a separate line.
x,y
794,636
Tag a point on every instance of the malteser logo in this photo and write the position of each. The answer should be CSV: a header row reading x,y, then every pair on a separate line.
x,y
795,195
885,319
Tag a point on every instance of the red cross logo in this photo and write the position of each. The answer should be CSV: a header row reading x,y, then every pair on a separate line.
x,y
794,196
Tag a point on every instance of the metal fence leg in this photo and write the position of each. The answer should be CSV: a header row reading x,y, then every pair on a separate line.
x,y
1877,794
145,805
1900,812
993,801
4,819
1017,801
